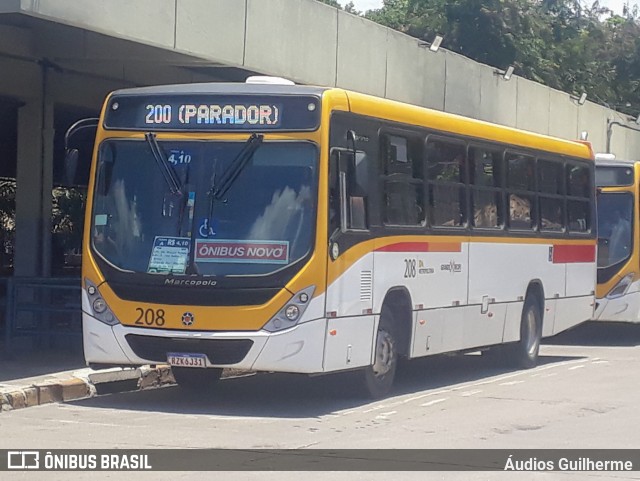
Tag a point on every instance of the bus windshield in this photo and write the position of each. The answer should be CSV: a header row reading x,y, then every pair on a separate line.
x,y
261,221
615,211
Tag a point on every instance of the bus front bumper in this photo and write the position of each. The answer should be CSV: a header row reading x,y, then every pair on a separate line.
x,y
625,308
299,349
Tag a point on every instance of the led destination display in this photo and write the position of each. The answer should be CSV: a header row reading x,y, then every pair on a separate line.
x,y
202,112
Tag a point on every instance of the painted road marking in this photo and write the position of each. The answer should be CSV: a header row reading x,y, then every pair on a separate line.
x,y
471,393
385,415
434,402
539,371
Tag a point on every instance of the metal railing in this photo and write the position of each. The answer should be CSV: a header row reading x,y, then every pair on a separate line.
x,y
44,309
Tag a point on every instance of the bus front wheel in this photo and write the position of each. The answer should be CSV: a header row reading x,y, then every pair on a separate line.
x,y
525,352
195,379
378,378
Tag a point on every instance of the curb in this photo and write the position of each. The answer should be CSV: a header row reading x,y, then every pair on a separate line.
x,y
84,384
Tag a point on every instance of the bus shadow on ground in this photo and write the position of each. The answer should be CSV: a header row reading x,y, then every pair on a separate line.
x,y
289,396
606,334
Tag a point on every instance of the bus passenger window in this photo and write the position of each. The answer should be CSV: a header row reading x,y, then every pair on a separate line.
x,y
485,208
444,202
402,181
520,212
551,194
403,203
521,191
578,213
520,172
446,174
550,177
579,195
551,214
485,166
578,181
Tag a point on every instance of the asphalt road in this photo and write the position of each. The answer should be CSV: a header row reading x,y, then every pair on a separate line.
x,y
585,393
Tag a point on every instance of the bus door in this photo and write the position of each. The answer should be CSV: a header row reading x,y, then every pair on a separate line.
x,y
349,297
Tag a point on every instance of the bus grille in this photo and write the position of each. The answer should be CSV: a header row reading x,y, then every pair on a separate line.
x,y
219,351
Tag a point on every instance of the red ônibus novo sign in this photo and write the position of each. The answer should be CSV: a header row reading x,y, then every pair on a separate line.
x,y
270,252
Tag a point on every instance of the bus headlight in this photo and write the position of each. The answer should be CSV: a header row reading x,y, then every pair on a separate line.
x,y
292,312
621,287
99,308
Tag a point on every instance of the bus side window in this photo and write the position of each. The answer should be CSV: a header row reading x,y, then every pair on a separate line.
x,y
446,174
348,191
551,194
485,172
403,193
521,193
334,194
578,198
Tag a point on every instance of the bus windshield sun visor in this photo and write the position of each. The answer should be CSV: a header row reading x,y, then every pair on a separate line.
x,y
163,163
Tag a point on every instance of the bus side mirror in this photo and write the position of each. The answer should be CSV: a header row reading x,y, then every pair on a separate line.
x,y
71,166
347,167
79,136
346,162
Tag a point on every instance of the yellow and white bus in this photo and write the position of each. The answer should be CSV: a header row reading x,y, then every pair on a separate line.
x,y
618,291
313,230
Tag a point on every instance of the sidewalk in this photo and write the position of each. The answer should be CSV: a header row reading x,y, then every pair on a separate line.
x,y
36,378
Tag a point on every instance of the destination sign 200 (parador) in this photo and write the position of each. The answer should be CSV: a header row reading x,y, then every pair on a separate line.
x,y
203,112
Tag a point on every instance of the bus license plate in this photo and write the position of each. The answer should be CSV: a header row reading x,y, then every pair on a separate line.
x,y
180,359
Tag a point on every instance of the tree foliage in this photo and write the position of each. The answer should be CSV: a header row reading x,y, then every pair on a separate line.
x,y
332,3
560,43
349,7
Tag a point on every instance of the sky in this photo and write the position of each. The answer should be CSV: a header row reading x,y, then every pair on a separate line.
x,y
363,5
615,5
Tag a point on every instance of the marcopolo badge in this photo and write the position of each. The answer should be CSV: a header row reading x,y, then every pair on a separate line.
x,y
188,319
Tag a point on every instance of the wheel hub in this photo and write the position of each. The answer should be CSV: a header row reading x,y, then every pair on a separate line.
x,y
531,341
385,354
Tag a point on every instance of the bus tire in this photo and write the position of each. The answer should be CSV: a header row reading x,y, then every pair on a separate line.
x,y
525,352
378,378
196,380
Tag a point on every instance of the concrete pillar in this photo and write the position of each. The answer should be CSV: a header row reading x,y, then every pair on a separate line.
x,y
34,183
48,134
28,247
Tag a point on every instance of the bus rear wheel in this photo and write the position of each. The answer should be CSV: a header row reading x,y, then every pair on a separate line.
x,y
525,352
378,378
196,380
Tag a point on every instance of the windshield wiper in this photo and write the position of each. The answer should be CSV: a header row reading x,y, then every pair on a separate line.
x,y
236,166
163,163
229,176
